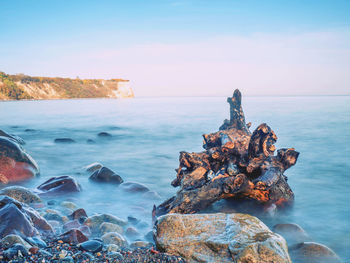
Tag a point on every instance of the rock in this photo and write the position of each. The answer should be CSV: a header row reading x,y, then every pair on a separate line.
x,y
110,227
104,135
133,220
134,187
106,175
15,163
114,238
64,140
90,141
115,256
292,233
54,215
73,236
39,222
59,185
16,250
13,137
219,238
113,248
69,205
14,219
21,194
132,233
93,167
151,195
36,241
34,250
10,240
140,244
30,130
95,221
310,252
71,225
78,214
91,246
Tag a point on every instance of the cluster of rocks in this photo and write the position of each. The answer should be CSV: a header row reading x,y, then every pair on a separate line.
x,y
66,140
35,230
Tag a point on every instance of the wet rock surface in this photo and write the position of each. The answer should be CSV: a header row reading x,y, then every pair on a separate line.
x,y
293,233
59,185
15,163
219,238
64,140
106,175
21,194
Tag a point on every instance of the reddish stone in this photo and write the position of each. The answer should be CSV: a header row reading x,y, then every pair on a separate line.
x,y
59,185
78,214
73,236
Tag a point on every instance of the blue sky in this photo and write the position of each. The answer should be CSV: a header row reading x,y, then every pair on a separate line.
x,y
183,47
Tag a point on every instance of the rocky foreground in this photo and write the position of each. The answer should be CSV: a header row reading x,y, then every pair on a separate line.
x,y
36,227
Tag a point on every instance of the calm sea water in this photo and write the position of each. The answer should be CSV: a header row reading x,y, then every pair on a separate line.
x,y
148,134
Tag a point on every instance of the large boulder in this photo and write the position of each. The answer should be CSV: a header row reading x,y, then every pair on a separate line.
x,y
59,185
15,163
219,238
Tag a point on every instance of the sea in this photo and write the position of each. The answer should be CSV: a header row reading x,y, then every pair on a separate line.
x,y
148,134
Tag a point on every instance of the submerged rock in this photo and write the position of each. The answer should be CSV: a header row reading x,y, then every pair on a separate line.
x,y
64,140
15,163
106,175
17,250
78,214
95,221
104,135
219,238
59,185
293,233
134,187
310,252
110,227
21,194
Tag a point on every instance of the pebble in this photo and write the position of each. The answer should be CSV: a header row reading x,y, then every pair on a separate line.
x,y
91,246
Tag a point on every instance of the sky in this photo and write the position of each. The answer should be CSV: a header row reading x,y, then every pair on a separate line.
x,y
183,48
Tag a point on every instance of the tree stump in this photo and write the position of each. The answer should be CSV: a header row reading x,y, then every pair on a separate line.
x,y
235,164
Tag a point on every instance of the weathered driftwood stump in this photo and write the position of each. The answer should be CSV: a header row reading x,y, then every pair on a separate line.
x,y
235,164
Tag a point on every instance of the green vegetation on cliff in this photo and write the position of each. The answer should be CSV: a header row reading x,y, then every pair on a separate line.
x,y
20,86
9,89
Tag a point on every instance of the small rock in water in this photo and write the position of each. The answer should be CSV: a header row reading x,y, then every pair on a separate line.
x,y
21,194
106,175
93,167
69,205
59,185
95,221
134,187
310,252
78,214
71,225
91,246
131,232
133,220
293,233
29,130
10,240
110,227
73,236
151,195
90,141
64,140
104,135
114,238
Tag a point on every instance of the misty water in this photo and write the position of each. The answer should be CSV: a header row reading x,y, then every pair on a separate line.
x,y
148,133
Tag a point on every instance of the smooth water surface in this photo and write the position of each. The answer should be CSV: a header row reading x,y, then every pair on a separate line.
x,y
148,134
